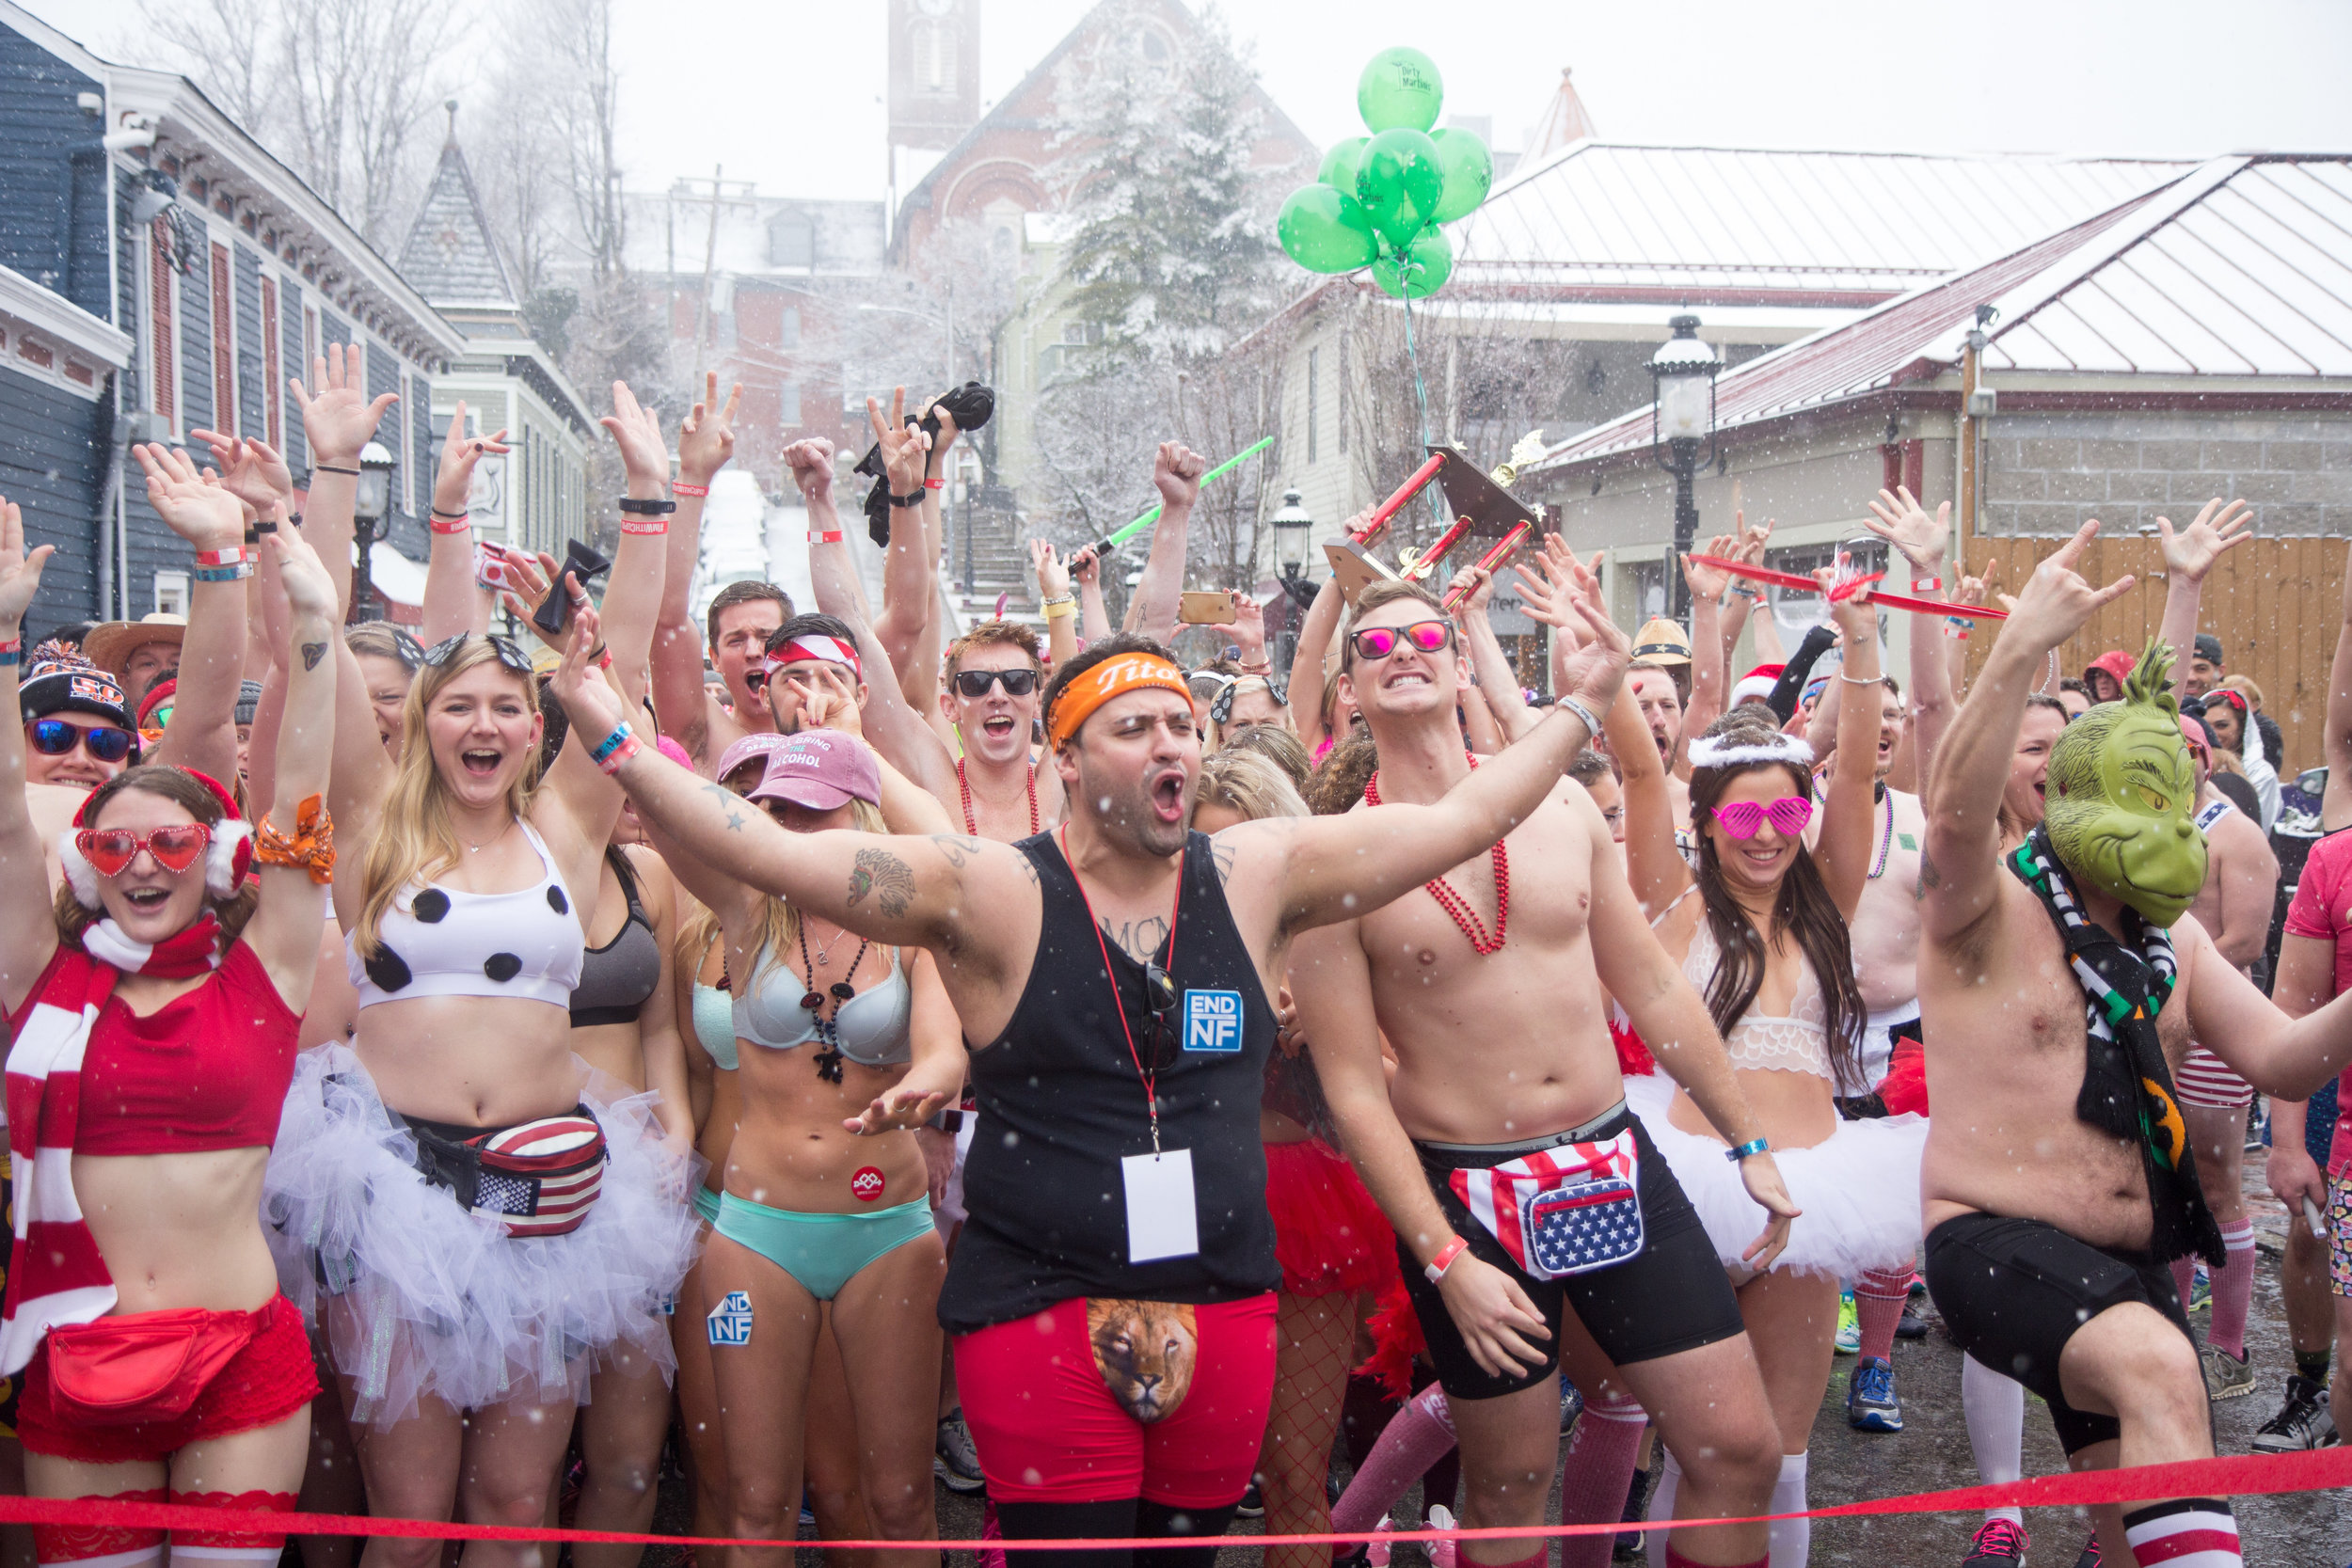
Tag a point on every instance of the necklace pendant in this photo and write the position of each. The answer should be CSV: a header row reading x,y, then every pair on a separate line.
x,y
813,1002
842,989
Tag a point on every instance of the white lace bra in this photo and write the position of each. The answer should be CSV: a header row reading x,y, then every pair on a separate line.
x,y
1798,1042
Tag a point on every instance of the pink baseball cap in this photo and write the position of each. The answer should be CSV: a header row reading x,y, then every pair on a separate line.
x,y
822,770
745,750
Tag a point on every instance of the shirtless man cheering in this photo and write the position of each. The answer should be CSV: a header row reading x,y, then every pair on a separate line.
x,y
1489,989
2059,1179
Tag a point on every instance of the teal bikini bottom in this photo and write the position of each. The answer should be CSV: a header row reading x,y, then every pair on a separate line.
x,y
707,1204
822,1251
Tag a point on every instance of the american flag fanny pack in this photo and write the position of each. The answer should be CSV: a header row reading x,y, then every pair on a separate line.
x,y
1560,1210
536,1178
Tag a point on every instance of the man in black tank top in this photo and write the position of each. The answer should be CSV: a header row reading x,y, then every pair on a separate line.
x,y
1112,1297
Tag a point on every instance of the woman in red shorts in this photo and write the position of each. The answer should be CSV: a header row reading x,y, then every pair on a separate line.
x,y
154,1023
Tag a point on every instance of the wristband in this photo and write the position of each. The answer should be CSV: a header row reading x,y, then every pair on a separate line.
x,y
462,524
1060,609
1265,667
330,469
651,525
907,502
610,744
224,573
1927,585
1435,1269
1592,725
601,657
1857,680
12,651
453,516
1954,632
935,483
949,1121
1741,1152
628,748
252,533
824,536
642,507
227,556
680,487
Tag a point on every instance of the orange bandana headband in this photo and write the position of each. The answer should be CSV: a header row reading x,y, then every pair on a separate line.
x,y
1113,677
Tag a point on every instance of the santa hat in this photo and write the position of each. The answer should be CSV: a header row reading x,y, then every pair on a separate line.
x,y
1757,684
226,859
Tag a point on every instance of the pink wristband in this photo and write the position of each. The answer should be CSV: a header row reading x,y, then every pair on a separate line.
x,y
935,483
234,555
830,536
677,488
645,525
462,524
1435,1269
628,748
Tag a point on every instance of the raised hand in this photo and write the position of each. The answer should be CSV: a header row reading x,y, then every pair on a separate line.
x,y
810,462
1903,523
638,433
1709,582
903,446
826,702
1249,630
2056,601
1561,591
1176,474
707,438
1053,575
589,699
250,470
1476,586
19,571
1753,540
196,506
460,452
301,575
1978,590
527,578
1083,568
340,420
2219,529
1850,614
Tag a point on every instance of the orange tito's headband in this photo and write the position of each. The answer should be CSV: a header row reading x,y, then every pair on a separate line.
x,y
1113,677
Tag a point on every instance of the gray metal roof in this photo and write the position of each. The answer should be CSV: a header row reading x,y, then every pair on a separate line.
x,y
449,255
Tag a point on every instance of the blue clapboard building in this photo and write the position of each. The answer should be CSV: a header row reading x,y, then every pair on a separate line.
x,y
160,271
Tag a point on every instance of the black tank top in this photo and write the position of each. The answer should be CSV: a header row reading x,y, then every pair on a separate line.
x,y
1060,1106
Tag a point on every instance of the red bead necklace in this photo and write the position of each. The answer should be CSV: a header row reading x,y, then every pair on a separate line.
x,y
971,823
1453,903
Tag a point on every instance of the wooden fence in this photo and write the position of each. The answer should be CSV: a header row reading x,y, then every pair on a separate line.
x,y
2276,604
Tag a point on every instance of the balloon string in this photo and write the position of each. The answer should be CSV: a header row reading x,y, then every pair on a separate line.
x,y
1421,392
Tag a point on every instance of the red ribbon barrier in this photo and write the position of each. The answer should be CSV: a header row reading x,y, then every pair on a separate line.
x,y
1900,601
2242,1475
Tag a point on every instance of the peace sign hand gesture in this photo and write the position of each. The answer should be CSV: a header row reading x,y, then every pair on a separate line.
x,y
903,446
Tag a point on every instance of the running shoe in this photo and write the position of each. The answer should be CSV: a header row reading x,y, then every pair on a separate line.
x,y
1252,1504
1442,1554
2091,1554
2303,1421
2199,1290
953,1460
1998,1543
1848,1325
1571,1405
1871,1402
1629,1546
1913,1322
2227,1376
1376,1550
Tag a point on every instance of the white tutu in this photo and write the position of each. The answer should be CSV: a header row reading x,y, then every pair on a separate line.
x,y
432,1300
1859,1190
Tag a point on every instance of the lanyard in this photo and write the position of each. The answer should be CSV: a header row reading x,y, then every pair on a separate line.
x,y
1150,1078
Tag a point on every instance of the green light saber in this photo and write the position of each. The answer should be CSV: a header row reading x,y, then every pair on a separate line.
x,y
1103,547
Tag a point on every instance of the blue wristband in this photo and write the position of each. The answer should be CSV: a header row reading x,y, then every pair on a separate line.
x,y
1741,1152
610,744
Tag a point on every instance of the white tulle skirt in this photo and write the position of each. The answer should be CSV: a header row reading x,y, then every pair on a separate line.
x,y
428,1299
1859,1190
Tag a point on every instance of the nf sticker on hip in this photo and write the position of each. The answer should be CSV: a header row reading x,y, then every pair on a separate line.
x,y
731,1320
1213,1021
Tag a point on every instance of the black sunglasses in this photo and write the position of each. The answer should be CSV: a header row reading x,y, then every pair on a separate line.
x,y
1161,1039
55,738
972,684
510,653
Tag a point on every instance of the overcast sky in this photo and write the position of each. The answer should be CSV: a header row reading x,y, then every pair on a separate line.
x,y
789,92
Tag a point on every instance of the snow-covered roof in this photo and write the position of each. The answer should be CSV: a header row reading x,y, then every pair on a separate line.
x,y
1729,226
2240,268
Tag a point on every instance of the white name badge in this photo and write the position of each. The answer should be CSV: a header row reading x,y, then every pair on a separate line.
x,y
1163,1221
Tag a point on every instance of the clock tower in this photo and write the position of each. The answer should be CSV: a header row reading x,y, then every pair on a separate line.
x,y
934,84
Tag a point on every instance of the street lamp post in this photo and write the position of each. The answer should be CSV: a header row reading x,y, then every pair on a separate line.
x,y
1293,533
1683,371
372,502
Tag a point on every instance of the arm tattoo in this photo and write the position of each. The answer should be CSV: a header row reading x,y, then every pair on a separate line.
x,y
311,654
960,851
885,876
735,821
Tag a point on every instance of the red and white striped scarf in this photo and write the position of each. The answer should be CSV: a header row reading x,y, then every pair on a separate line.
x,y
1492,1193
56,1275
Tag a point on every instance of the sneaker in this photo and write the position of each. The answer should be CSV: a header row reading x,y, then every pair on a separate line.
x,y
1998,1543
1871,1402
954,1461
1913,1322
2227,1376
1629,1546
2303,1420
1252,1504
1442,1554
1376,1549
2199,1290
2091,1554
1571,1406
1848,1325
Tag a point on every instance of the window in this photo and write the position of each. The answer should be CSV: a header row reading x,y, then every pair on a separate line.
x,y
788,404
793,241
934,51
789,327
163,371
1314,398
269,363
171,593
224,355
1648,579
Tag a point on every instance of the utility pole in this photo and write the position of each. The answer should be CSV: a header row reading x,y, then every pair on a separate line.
x,y
683,191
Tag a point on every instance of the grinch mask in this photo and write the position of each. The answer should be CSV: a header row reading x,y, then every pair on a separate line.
x,y
2122,796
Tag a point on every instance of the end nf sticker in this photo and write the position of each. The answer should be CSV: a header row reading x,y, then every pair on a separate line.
x,y
1213,1021
731,1320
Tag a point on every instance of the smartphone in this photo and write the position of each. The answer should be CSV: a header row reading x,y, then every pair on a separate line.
x,y
1212,607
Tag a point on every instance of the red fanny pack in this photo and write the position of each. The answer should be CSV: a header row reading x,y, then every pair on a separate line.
x,y
143,1367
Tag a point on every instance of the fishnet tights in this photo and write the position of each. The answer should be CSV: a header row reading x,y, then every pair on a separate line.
x,y
1314,1346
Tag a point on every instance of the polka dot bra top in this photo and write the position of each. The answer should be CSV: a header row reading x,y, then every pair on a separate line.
x,y
443,941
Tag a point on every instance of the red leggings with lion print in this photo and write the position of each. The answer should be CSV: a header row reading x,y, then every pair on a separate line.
x,y
1094,1400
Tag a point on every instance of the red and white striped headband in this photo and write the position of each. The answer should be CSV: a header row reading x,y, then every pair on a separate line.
x,y
832,650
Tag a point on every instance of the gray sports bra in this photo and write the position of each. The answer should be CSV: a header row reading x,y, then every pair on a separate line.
x,y
618,978
873,1024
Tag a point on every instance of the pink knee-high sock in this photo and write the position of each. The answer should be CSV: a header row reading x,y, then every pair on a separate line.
x,y
1415,1438
1598,1472
1878,1300
2233,1288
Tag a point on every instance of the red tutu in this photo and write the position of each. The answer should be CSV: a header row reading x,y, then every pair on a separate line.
x,y
1397,1340
1633,1057
1904,1089
1328,1234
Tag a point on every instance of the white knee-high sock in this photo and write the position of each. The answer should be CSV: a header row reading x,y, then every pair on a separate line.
x,y
1792,1539
1661,1505
1995,1408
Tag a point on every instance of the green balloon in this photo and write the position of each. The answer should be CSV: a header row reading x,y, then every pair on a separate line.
x,y
1400,87
1326,231
1419,269
1400,182
1341,163
1469,173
